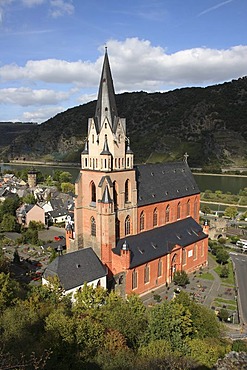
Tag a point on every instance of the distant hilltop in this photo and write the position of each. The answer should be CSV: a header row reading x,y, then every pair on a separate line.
x,y
210,124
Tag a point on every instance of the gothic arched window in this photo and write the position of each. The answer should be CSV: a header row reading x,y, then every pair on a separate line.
x,y
146,274
115,193
178,211
188,208
183,257
167,213
117,224
160,268
134,279
195,252
93,192
126,190
93,226
142,221
127,225
195,208
155,217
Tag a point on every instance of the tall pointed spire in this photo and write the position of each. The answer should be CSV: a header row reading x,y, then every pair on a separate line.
x,y
106,103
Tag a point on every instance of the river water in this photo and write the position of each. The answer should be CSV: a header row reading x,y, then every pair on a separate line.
x,y
205,182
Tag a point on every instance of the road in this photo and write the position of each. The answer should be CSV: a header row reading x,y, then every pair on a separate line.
x,y
240,263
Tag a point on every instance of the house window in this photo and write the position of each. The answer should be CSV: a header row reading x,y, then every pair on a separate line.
x,y
155,217
142,221
127,184
127,225
178,211
183,257
202,249
195,209
93,226
167,218
188,208
117,228
115,194
146,274
195,252
134,279
93,192
92,139
160,268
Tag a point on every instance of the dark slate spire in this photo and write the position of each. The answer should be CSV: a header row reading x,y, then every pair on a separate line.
x,y
106,196
106,103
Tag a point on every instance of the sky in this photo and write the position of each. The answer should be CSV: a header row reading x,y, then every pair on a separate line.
x,y
51,51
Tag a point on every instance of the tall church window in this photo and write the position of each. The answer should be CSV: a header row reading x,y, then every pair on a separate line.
x,y
134,279
117,225
93,226
167,214
178,211
202,249
195,252
93,192
188,208
146,274
127,185
195,208
115,193
142,221
155,217
183,257
160,268
127,225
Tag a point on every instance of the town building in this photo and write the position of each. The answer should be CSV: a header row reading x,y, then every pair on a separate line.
x,y
141,221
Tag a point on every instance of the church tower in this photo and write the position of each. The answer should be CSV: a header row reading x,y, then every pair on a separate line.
x,y
106,191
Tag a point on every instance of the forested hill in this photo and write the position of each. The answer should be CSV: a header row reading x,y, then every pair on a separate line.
x,y
209,123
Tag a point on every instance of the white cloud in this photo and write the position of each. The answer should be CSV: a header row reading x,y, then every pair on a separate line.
x,y
31,3
61,7
136,64
41,114
24,96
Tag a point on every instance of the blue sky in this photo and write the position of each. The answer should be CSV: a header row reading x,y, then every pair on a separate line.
x,y
52,50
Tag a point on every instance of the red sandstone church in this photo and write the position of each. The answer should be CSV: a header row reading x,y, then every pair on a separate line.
x,y
142,221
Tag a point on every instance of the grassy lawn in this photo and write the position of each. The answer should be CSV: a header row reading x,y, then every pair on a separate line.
x,y
230,278
206,276
227,301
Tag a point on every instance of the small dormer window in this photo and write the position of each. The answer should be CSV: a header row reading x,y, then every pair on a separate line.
x,y
106,109
92,139
105,124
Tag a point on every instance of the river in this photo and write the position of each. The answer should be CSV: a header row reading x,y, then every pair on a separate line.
x,y
205,182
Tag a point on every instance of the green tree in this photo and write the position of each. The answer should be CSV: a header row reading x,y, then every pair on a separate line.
x,y
9,206
65,177
223,314
206,209
206,351
231,212
29,199
224,272
8,222
67,187
9,291
181,278
222,256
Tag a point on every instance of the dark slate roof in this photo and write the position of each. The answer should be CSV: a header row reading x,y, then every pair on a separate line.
x,y
75,268
164,182
158,242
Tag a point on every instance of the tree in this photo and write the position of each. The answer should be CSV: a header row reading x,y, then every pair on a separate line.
x,y
222,256
224,272
65,177
206,209
223,314
8,222
206,351
181,278
9,206
67,187
231,212
29,199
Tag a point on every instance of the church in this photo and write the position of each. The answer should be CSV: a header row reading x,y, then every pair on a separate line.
x,y
142,221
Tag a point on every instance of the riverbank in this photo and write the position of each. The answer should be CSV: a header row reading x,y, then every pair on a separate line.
x,y
41,163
